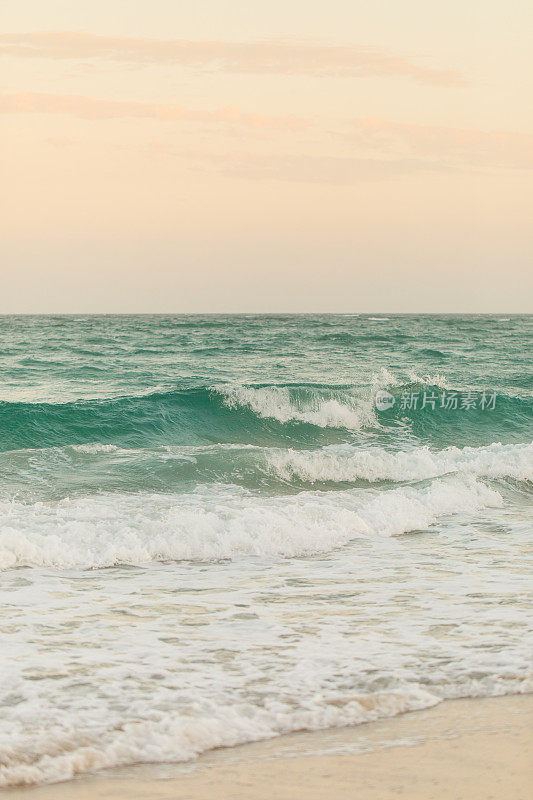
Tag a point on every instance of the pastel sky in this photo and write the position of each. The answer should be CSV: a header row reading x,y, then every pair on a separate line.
x,y
289,155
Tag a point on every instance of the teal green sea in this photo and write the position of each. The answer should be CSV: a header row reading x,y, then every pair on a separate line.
x,y
217,529
143,383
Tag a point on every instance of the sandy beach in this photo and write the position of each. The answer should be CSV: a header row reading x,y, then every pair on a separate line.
x,y
460,749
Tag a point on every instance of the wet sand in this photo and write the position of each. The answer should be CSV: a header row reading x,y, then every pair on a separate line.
x,y
464,749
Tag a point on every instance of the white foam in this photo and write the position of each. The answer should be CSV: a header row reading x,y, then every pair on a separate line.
x,y
348,463
344,411
59,393
93,448
174,737
221,522
431,380
383,380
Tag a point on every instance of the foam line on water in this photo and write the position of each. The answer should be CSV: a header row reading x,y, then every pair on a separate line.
x,y
348,463
219,522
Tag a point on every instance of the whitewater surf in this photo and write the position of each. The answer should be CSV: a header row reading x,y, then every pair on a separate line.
x,y
211,533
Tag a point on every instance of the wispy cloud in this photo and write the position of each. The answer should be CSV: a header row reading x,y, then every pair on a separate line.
x,y
333,170
92,108
372,148
337,170
443,151
455,145
281,56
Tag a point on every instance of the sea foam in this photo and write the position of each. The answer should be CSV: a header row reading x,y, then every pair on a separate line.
x,y
349,463
219,522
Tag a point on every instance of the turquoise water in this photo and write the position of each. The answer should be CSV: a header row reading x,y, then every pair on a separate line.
x,y
210,533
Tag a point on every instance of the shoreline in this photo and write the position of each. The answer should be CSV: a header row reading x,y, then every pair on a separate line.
x,y
472,748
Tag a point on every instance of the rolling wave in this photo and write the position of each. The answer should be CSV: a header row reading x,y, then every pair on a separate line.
x,y
188,416
510,420
52,473
271,414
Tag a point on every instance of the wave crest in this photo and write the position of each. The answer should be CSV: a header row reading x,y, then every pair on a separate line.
x,y
329,407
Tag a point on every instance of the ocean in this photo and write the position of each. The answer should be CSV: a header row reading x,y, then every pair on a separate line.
x,y
219,529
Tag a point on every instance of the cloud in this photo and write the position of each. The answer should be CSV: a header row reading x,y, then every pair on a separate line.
x,y
92,108
345,169
275,56
396,147
333,170
493,148
312,169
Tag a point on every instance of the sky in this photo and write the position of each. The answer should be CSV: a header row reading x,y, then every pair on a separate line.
x,y
282,156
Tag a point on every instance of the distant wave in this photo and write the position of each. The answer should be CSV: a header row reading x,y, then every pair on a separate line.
x,y
349,338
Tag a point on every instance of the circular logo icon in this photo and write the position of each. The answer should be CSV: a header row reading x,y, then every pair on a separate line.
x,y
384,400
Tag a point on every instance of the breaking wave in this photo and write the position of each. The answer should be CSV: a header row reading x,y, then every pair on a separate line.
x,y
273,414
345,463
220,522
